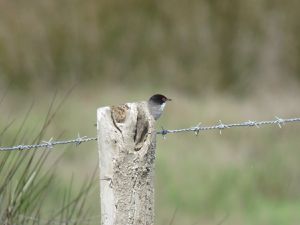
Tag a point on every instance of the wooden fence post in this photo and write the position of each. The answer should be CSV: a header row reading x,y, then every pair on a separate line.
x,y
126,146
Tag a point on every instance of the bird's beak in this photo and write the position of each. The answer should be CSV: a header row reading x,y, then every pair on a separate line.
x,y
169,99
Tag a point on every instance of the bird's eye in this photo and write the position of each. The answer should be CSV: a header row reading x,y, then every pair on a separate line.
x,y
164,99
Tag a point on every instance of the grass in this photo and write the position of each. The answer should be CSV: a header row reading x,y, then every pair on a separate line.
x,y
244,176
28,181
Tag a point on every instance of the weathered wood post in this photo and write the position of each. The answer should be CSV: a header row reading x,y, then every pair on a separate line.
x,y
126,145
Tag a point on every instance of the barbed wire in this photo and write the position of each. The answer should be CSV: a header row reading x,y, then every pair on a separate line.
x,y
50,144
196,129
221,126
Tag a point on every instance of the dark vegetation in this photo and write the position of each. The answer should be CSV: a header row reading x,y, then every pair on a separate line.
x,y
192,45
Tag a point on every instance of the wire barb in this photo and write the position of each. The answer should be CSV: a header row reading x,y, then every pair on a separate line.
x,y
164,133
48,144
221,126
279,121
197,129
79,139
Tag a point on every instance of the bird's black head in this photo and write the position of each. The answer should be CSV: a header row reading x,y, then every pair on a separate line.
x,y
159,99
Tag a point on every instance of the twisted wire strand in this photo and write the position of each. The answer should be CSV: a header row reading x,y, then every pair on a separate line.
x,y
49,144
196,129
221,126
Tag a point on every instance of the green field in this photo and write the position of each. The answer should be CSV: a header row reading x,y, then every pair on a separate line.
x,y
244,176
218,60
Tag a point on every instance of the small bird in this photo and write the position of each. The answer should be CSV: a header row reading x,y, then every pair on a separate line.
x,y
156,105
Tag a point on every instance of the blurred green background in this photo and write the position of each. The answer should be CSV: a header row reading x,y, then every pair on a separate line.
x,y
227,60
